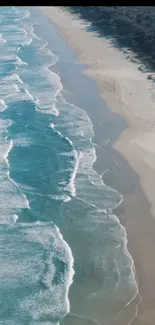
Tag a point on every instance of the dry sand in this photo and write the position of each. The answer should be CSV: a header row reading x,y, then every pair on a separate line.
x,y
128,92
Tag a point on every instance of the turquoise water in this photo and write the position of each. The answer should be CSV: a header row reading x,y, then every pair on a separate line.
x,y
56,221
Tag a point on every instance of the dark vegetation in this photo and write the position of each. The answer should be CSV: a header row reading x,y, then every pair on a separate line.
x,y
132,27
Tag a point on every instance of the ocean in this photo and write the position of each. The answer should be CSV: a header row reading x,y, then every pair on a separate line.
x,y
63,251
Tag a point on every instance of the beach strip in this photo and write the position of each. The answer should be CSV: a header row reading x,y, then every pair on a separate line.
x,y
127,91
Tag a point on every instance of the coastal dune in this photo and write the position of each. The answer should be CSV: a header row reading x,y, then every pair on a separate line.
x,y
127,91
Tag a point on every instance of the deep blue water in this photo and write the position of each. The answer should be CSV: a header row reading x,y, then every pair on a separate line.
x,y
49,191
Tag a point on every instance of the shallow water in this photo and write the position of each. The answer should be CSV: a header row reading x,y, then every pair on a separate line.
x,y
50,191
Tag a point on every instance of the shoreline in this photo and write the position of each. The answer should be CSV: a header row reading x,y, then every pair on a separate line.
x,y
125,90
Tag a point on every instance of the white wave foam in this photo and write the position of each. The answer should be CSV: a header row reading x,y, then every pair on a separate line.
x,y
84,180
12,198
71,263
35,36
14,218
67,154
3,105
80,130
2,39
13,89
129,265
77,122
9,146
43,91
22,142
54,79
63,197
26,202
43,47
58,132
28,41
51,87
16,77
12,77
55,110
45,98
52,125
71,186
48,53
40,251
53,300
20,35
91,189
26,15
19,61
46,110
29,94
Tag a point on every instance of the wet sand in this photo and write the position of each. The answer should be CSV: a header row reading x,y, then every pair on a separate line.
x,y
127,92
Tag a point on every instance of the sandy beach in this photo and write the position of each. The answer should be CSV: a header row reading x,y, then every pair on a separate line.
x,y
126,91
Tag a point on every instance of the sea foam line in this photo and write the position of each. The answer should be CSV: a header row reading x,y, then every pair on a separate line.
x,y
27,206
73,179
3,105
44,46
126,252
5,156
76,168
19,61
53,244
71,185
137,293
50,75
71,267
26,15
2,39
8,185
